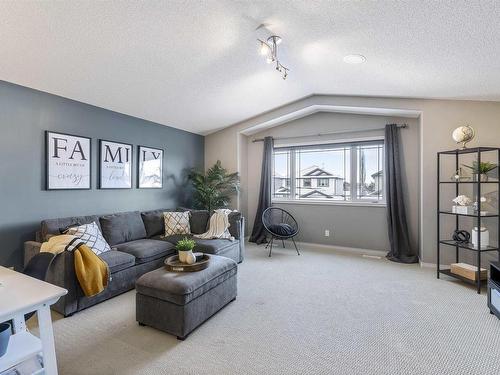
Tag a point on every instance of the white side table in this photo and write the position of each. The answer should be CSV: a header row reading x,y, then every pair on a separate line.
x,y
19,295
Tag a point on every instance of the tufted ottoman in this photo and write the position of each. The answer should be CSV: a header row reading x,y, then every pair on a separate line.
x,y
178,302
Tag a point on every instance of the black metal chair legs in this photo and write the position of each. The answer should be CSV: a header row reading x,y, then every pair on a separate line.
x,y
271,242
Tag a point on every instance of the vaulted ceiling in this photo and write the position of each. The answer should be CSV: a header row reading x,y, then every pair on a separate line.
x,y
194,65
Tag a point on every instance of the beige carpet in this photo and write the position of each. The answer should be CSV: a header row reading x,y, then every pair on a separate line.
x,y
320,313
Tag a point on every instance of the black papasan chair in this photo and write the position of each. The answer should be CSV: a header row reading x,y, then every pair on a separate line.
x,y
279,224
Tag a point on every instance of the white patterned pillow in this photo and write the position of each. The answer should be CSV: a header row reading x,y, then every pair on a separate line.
x,y
176,223
91,235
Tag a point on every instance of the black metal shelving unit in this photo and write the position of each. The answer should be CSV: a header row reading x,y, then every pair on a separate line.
x,y
478,216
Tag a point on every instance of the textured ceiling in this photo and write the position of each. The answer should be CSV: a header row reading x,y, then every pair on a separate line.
x,y
194,65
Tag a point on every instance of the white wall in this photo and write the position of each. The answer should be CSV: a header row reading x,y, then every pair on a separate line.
x,y
438,119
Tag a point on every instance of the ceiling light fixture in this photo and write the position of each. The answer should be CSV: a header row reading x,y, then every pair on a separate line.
x,y
354,59
270,50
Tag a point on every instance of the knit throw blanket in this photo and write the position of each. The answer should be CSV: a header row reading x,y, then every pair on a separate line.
x,y
91,271
218,226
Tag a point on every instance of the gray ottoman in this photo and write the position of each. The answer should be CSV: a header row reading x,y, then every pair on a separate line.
x,y
177,302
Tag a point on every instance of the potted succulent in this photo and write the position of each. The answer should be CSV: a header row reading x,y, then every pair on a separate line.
x,y
185,248
482,169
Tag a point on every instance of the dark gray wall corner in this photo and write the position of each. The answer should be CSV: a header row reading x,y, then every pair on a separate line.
x,y
24,116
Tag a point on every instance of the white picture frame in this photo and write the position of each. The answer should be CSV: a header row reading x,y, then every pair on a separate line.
x,y
68,161
149,167
115,165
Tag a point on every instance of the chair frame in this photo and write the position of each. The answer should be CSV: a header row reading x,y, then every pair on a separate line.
x,y
277,236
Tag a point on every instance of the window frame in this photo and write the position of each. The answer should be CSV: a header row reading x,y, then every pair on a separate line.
x,y
354,200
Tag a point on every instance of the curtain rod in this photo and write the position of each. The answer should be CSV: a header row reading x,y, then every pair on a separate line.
x,y
403,126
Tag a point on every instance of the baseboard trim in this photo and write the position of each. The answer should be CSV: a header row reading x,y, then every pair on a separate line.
x,y
343,249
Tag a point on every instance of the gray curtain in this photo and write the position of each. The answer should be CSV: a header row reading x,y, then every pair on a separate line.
x,y
401,249
259,233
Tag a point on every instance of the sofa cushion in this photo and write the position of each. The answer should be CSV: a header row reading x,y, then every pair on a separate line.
x,y
122,227
234,221
183,288
153,222
198,220
146,249
176,223
215,246
117,260
54,226
91,236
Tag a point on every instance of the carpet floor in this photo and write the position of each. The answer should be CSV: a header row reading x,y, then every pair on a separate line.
x,y
322,312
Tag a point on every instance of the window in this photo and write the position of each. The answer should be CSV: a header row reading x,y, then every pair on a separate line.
x,y
350,172
323,182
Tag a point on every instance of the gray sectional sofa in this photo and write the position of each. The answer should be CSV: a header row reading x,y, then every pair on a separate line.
x,y
138,246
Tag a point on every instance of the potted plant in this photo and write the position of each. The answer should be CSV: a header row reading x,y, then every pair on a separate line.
x,y
213,189
185,248
482,169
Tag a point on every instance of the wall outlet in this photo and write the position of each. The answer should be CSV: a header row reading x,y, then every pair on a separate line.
x,y
327,233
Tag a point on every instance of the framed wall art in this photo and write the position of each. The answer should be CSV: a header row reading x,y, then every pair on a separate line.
x,y
150,168
115,165
68,161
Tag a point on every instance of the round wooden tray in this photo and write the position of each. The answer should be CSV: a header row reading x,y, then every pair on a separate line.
x,y
174,265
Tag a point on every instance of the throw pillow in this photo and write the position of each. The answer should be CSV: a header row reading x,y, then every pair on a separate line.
x,y
91,235
176,223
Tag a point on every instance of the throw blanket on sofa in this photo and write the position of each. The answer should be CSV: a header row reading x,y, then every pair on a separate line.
x,y
91,271
218,226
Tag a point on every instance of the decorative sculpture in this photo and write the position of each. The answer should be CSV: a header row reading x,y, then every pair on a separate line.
x,y
463,135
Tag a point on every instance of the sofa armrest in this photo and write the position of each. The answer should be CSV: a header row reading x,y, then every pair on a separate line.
x,y
61,273
242,238
31,248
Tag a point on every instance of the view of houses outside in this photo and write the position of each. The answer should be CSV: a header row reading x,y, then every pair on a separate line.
x,y
325,173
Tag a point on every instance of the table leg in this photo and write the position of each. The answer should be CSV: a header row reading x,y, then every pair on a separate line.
x,y
47,338
19,324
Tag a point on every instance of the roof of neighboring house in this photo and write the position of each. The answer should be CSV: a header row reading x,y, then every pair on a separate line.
x,y
315,171
315,192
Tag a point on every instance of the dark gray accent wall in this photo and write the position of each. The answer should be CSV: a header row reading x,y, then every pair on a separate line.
x,y
24,116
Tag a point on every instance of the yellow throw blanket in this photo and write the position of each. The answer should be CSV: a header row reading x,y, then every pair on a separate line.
x,y
91,271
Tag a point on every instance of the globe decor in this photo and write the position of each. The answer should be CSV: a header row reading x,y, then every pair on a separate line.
x,y
463,135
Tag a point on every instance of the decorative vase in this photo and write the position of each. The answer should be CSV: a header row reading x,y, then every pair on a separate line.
x,y
464,210
5,332
190,257
485,237
482,177
187,257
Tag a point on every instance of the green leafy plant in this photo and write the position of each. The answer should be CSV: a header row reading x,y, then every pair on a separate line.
x,y
481,168
214,188
185,244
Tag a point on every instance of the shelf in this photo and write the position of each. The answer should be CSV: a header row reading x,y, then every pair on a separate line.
x,y
461,278
22,346
455,214
473,150
467,246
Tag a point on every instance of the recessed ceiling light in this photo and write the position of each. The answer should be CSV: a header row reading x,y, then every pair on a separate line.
x,y
354,59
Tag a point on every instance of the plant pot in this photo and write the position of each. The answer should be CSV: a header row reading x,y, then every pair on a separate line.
x,y
187,257
483,177
5,332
